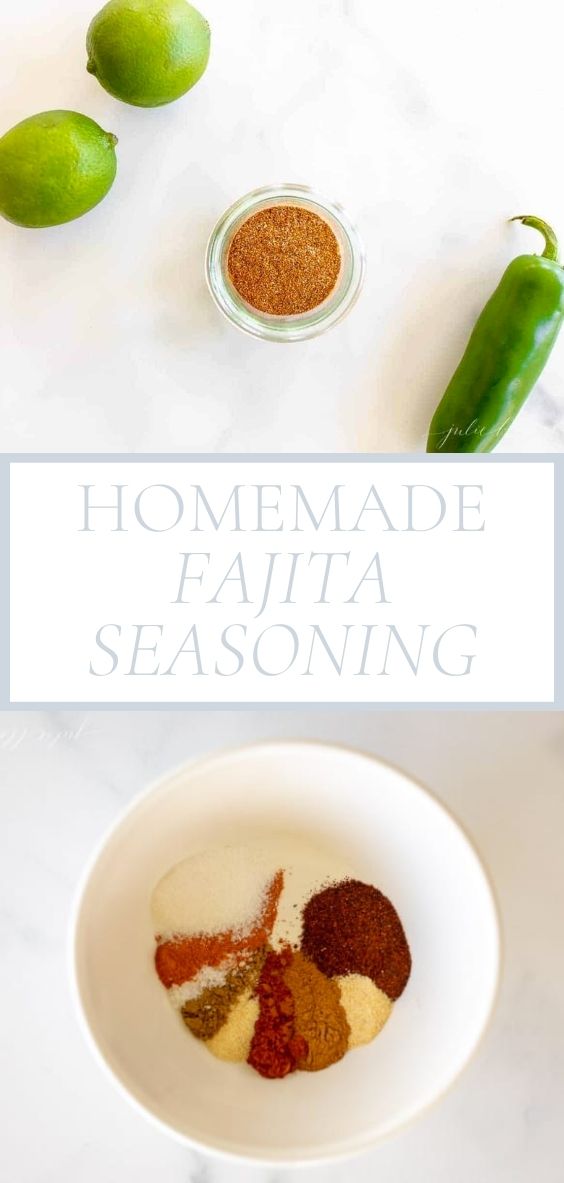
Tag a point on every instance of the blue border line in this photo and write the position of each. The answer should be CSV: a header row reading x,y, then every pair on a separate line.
x,y
5,568
559,583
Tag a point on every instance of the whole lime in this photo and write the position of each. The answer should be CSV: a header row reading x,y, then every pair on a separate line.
x,y
148,52
54,167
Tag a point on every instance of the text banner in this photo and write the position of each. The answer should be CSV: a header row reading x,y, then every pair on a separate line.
x,y
351,580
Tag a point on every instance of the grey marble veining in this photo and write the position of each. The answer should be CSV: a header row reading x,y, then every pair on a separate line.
x,y
63,780
432,123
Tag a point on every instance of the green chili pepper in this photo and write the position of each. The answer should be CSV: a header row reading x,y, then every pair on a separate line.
x,y
506,353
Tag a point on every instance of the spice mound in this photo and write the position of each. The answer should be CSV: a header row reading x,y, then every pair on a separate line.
x,y
352,928
275,956
284,260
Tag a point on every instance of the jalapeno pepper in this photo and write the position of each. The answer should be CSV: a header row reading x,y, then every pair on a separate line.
x,y
506,353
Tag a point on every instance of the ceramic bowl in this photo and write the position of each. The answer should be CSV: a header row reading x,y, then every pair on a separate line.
x,y
396,836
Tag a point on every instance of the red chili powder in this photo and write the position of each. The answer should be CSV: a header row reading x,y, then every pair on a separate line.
x,y
352,928
275,1047
180,959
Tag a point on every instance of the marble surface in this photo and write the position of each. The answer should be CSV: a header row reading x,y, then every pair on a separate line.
x,y
63,779
433,123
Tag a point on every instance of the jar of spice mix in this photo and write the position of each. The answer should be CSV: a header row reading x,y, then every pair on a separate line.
x,y
284,264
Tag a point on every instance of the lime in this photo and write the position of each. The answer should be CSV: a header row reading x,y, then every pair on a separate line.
x,y
54,167
148,52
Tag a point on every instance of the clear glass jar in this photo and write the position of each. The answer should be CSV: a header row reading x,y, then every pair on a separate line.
x,y
303,325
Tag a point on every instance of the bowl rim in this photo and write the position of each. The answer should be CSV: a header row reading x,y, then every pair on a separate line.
x,y
317,1157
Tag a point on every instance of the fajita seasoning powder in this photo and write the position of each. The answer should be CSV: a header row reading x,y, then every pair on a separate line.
x,y
284,264
284,260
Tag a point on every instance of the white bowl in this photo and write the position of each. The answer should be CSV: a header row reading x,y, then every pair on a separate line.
x,y
398,837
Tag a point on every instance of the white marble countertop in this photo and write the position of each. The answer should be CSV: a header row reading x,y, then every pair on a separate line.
x,y
63,779
433,123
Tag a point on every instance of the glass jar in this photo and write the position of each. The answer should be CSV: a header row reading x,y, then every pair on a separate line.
x,y
305,324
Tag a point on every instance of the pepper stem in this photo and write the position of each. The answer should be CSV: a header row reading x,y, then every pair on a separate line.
x,y
550,240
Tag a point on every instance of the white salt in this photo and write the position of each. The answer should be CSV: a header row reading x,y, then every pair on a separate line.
x,y
219,890
224,889
207,978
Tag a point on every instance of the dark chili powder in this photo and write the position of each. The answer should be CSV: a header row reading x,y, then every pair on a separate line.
x,y
275,1047
351,927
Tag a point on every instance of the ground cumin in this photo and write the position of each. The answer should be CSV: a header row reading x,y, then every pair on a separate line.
x,y
352,928
318,1014
206,1014
179,960
284,260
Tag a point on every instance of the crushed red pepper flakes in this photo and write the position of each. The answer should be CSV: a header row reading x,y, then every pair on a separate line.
x,y
275,1046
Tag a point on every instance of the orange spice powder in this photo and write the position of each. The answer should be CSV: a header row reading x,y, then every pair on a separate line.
x,y
179,960
284,260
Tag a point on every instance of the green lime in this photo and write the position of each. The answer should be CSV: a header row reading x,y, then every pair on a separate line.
x,y
54,167
148,52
